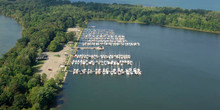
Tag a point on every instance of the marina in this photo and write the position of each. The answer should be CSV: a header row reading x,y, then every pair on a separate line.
x,y
103,37
180,68
143,57
103,63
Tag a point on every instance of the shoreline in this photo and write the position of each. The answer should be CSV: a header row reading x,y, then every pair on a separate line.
x,y
68,63
186,28
70,55
57,64
76,43
8,41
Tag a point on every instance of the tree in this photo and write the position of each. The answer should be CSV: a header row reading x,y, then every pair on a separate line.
x,y
51,83
18,83
70,36
44,25
42,95
33,83
120,18
54,46
6,97
44,78
36,106
19,101
39,52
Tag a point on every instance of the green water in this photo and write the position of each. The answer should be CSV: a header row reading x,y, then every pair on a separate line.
x,y
180,72
10,31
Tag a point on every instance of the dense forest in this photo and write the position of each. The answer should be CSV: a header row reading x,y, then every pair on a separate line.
x,y
44,25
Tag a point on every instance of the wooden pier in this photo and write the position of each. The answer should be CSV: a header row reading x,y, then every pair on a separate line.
x,y
88,48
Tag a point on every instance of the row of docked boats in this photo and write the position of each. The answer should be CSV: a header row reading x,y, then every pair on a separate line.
x,y
110,44
100,37
107,71
102,62
95,56
99,32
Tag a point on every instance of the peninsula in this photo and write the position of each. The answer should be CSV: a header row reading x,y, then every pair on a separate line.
x,y
45,23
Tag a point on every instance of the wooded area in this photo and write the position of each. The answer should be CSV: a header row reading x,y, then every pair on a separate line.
x,y
44,25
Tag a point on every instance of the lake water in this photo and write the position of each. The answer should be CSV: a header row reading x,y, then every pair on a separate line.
x,y
180,72
189,4
10,31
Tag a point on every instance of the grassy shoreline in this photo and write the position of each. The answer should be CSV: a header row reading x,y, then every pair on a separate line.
x,y
186,28
65,72
70,56
44,24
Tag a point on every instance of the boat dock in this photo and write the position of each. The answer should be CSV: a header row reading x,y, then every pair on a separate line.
x,y
107,71
103,63
89,48
104,56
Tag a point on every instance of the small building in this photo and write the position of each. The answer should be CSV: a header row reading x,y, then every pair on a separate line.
x,y
63,65
66,54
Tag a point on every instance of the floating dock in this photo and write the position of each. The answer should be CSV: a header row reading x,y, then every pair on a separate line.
x,y
89,48
106,71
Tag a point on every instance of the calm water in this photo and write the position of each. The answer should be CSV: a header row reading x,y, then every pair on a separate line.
x,y
10,31
189,4
180,72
